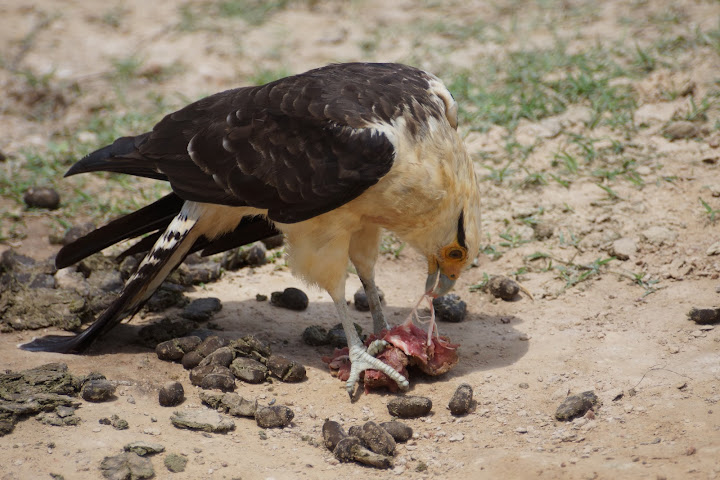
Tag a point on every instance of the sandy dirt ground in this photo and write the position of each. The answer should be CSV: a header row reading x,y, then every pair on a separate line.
x,y
656,373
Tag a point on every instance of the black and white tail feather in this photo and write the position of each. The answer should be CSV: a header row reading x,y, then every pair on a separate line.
x,y
169,250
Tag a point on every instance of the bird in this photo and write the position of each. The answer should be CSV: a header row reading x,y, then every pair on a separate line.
x,y
330,158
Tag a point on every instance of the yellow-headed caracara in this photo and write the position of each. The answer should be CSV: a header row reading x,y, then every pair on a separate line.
x,y
329,157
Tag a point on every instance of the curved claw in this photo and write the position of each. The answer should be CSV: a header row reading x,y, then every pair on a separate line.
x,y
361,360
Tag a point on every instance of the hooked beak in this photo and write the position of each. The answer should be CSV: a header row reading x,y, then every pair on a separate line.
x,y
438,283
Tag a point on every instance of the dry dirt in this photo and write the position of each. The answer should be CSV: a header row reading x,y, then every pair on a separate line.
x,y
606,334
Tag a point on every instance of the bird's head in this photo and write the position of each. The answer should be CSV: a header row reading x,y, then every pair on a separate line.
x,y
448,261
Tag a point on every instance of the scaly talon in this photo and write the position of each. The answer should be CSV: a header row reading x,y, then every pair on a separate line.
x,y
361,360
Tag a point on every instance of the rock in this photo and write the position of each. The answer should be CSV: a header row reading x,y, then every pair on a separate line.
x,y
543,230
144,448
168,295
10,260
98,391
164,330
59,420
704,316
576,406
275,416
127,465
239,406
332,434
658,235
77,231
462,400
377,439
105,280
191,360
285,369
196,273
231,403
42,308
290,298
713,249
449,308
250,256
315,335
174,350
503,287
202,419
43,281
210,344
342,450
42,197
116,422
249,370
171,394
222,356
680,130
202,309
362,455
213,377
399,431
69,279
336,335
175,463
361,302
623,248
409,406
250,346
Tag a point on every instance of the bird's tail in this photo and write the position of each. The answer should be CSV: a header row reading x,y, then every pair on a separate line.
x,y
169,250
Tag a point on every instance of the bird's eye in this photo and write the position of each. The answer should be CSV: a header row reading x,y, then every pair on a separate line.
x,y
456,254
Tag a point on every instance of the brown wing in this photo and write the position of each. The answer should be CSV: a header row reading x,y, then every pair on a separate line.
x,y
299,146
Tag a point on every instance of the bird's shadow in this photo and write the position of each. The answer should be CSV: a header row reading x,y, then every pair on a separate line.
x,y
486,342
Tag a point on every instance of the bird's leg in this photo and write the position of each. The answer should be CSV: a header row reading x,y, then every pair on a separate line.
x,y
363,254
361,359
373,297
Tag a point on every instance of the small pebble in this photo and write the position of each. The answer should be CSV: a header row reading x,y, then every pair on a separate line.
x,y
342,450
362,455
361,302
409,406
336,335
377,439
290,298
285,369
213,377
315,335
399,431
222,356
174,350
704,316
171,394
576,406
201,309
144,448
210,344
175,463
127,465
332,434
276,416
248,370
42,197
191,360
449,308
201,419
503,287
77,231
462,400
98,390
